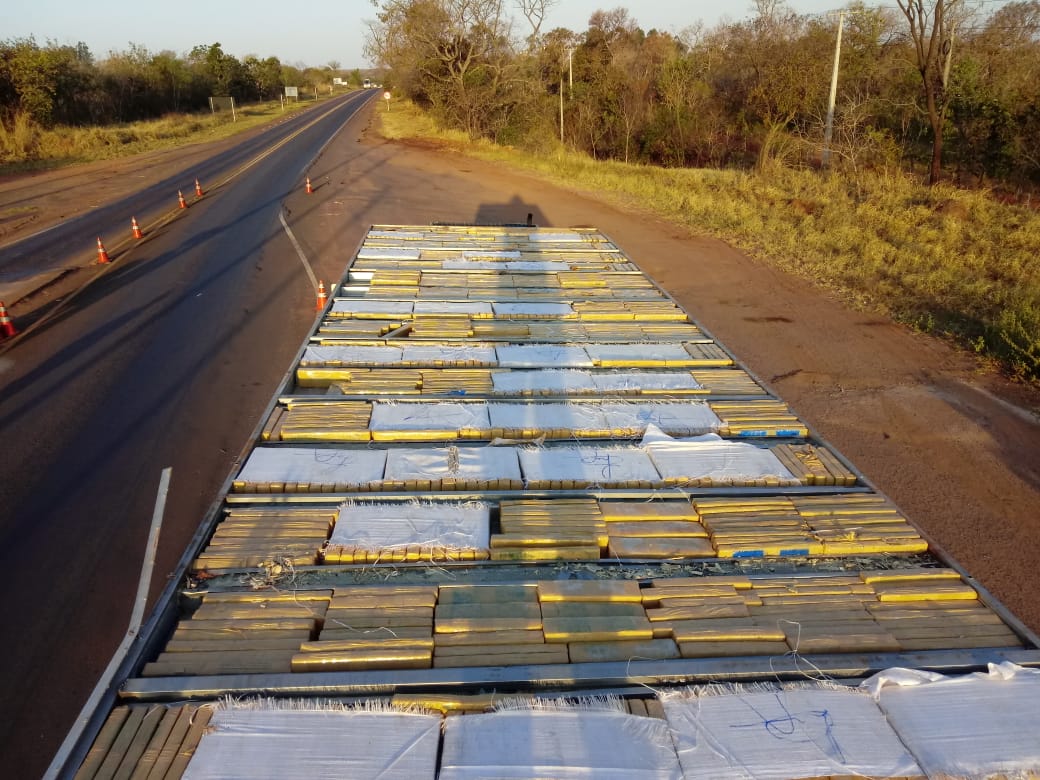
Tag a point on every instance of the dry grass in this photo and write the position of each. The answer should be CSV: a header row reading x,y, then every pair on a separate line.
x,y
951,262
26,146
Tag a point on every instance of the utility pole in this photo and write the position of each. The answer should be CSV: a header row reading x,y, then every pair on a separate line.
x,y
561,109
828,130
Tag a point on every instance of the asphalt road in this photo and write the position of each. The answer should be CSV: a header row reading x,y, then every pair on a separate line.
x,y
167,360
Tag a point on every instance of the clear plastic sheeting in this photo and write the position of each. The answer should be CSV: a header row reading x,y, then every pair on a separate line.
x,y
679,419
532,309
424,417
480,464
390,526
559,381
359,355
275,743
976,725
644,380
387,253
573,417
542,355
300,464
452,307
595,465
689,419
710,457
363,306
564,745
781,734
435,354
635,353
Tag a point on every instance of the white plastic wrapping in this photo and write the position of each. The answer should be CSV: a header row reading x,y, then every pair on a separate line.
x,y
275,744
631,353
313,465
444,415
504,265
435,353
678,419
782,734
355,356
368,306
547,381
596,465
575,417
542,355
558,238
564,745
389,526
532,309
480,464
710,457
502,254
387,253
618,381
974,725
452,307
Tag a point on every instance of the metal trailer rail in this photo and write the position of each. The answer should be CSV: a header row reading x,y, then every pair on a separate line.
x,y
186,591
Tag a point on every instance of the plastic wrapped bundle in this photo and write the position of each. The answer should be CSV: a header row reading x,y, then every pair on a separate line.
x,y
311,466
448,468
549,381
976,725
709,460
276,741
542,355
771,733
563,467
445,418
351,355
565,744
449,530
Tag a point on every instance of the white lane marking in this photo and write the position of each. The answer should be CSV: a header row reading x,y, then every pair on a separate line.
x,y
299,250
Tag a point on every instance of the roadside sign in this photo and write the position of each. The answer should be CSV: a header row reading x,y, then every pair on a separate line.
x,y
386,97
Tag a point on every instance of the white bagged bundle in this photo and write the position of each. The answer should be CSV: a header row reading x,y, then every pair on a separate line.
x,y
711,457
366,307
475,464
313,465
352,356
542,355
595,465
413,523
771,733
974,725
563,745
443,415
275,742
629,381
549,381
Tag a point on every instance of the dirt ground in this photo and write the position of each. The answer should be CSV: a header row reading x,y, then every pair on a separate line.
x,y
954,444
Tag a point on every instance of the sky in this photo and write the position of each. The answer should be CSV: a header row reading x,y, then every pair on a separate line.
x,y
313,34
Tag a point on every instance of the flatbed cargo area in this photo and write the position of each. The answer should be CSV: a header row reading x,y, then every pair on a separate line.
x,y
507,477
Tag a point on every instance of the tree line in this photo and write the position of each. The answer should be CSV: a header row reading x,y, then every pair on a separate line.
x,y
938,86
64,85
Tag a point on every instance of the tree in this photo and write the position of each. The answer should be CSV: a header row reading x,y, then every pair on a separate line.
x,y
931,33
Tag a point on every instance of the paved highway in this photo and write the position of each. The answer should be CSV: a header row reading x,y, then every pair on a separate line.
x,y
168,360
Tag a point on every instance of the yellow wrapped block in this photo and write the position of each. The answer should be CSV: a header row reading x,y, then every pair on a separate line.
x,y
358,660
486,624
622,650
595,629
292,596
698,612
940,590
370,641
590,552
481,594
589,590
658,528
726,649
660,547
518,609
717,631
509,637
902,575
583,609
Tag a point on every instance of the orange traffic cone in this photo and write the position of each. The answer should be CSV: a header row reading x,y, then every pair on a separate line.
x,y
309,188
181,201
102,255
323,297
7,328
198,189
135,228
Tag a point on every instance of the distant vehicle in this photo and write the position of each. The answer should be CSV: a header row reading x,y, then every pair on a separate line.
x,y
367,84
